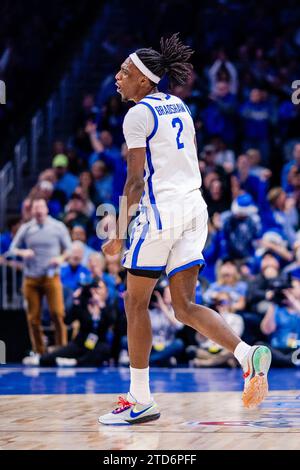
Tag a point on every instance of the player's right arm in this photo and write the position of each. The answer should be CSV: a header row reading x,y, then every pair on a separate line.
x,y
133,188
136,129
130,199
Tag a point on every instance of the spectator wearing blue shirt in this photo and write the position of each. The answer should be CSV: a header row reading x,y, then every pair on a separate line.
x,y
213,250
273,241
250,183
288,120
115,269
108,86
219,117
119,176
13,225
281,214
103,145
257,117
241,228
282,324
119,172
66,182
289,168
73,272
103,183
295,265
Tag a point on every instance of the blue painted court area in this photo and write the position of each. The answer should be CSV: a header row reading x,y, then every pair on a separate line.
x,y
24,380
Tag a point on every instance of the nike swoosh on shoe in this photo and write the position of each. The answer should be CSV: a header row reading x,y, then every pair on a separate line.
x,y
134,414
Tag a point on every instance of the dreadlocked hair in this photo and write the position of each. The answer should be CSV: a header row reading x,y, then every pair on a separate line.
x,y
172,61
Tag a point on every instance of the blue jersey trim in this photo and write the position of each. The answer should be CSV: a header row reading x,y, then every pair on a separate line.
x,y
155,119
151,98
138,246
132,235
151,168
149,268
167,97
201,262
186,107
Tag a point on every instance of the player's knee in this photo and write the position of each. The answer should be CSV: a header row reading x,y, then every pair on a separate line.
x,y
134,304
182,311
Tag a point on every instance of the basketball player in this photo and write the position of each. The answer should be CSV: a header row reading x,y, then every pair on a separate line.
x,y
170,231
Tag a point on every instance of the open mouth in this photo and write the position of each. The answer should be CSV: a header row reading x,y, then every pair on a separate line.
x,y
118,88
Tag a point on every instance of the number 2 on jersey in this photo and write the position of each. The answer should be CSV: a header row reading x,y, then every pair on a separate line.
x,y
177,121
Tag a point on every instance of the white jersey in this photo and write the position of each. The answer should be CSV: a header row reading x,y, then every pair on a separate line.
x,y
162,123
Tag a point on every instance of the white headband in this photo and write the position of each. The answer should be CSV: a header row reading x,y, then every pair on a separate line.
x,y
142,67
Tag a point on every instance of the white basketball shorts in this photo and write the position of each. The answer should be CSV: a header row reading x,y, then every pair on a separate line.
x,y
170,250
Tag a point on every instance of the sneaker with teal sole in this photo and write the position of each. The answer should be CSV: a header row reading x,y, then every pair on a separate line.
x,y
256,367
130,412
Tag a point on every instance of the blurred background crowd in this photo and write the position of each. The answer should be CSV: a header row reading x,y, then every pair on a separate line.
x,y
248,135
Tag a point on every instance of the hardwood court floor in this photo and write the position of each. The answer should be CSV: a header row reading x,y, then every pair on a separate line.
x,y
207,420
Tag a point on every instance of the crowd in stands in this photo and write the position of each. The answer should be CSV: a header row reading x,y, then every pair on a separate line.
x,y
32,36
248,134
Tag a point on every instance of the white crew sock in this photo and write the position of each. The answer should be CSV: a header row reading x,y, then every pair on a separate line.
x,y
241,352
139,385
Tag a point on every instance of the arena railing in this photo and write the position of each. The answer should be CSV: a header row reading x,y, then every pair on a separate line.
x,y
20,159
53,120
11,281
7,183
49,122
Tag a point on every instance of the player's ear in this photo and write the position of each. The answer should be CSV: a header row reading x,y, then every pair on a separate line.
x,y
143,80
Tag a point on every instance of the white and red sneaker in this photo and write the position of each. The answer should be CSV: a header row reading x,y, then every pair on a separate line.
x,y
129,411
